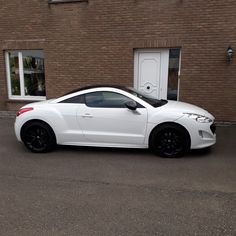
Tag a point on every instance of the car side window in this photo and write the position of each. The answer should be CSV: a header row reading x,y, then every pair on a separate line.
x,y
75,99
106,99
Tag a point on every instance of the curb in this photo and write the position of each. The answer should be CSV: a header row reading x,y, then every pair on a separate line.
x,y
7,114
225,124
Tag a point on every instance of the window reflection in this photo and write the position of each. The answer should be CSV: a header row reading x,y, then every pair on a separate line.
x,y
174,57
106,100
33,67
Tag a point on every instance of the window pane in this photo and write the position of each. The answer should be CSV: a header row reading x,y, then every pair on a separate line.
x,y
75,99
94,99
14,73
106,99
173,74
33,68
115,100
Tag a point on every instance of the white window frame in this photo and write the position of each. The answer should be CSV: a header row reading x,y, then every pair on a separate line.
x,y
21,77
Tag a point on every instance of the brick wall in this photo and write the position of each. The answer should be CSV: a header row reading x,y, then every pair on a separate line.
x,y
93,43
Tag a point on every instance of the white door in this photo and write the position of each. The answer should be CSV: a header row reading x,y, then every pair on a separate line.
x,y
108,121
151,72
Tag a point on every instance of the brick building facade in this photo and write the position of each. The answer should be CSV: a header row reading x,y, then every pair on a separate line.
x,y
96,41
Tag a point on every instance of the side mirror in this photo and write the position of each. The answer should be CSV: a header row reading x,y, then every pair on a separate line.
x,y
132,105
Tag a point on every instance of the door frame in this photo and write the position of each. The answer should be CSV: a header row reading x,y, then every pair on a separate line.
x,y
163,83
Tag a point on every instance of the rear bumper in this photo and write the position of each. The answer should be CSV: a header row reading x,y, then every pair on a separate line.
x,y
17,128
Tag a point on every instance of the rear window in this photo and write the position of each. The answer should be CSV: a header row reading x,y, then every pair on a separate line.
x,y
75,99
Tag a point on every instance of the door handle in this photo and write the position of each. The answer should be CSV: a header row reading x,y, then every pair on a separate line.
x,y
87,115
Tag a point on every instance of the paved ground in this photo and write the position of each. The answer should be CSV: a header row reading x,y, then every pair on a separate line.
x,y
94,191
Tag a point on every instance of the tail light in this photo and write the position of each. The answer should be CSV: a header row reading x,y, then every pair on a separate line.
x,y
23,110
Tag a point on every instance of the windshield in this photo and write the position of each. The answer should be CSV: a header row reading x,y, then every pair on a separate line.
x,y
147,98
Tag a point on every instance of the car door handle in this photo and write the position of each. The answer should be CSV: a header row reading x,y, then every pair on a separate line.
x,y
87,115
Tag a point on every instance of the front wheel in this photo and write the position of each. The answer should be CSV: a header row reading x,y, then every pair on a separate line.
x,y
38,137
170,141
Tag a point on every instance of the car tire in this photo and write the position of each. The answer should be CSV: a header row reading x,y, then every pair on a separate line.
x,y
169,140
38,137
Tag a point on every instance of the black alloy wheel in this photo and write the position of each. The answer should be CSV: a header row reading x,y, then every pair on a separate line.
x,y
38,137
170,141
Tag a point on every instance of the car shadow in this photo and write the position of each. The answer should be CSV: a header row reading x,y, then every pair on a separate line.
x,y
197,153
68,148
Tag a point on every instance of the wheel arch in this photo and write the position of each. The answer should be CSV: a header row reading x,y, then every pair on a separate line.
x,y
37,120
166,125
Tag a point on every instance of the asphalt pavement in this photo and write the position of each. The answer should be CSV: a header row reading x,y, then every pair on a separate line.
x,y
96,191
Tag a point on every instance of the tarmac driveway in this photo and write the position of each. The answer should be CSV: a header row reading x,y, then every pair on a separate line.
x,y
95,191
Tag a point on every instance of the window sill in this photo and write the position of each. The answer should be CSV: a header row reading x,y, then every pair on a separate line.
x,y
65,1
25,100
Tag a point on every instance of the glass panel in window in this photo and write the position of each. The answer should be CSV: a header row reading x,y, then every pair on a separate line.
x,y
173,74
14,73
94,99
76,99
115,100
106,100
34,78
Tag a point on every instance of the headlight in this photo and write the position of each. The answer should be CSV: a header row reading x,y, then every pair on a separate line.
x,y
198,118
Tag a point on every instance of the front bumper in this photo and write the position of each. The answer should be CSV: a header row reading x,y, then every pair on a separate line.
x,y
213,128
202,134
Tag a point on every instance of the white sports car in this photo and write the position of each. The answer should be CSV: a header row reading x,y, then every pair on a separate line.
x,y
112,116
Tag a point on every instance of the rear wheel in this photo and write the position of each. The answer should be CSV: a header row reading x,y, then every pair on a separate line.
x,y
38,137
170,140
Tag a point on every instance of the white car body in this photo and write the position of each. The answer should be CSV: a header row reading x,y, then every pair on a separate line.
x,y
79,124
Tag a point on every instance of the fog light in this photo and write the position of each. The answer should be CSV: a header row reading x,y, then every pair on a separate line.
x,y
200,133
204,134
